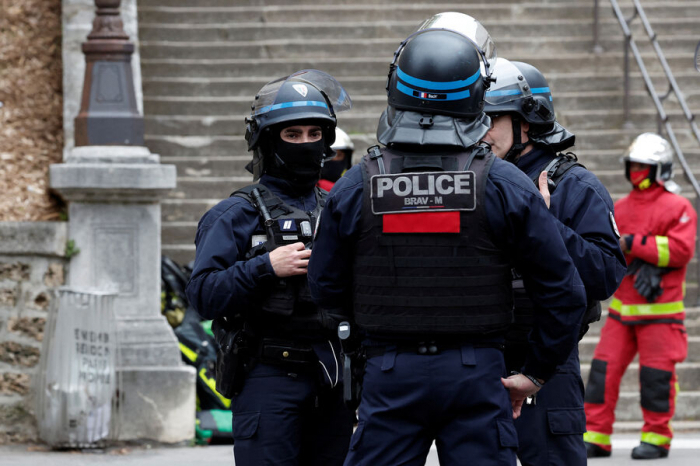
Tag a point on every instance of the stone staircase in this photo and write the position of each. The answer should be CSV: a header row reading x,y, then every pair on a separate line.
x,y
203,61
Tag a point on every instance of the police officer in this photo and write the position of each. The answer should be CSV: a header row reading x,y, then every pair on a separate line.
x,y
250,270
524,131
416,244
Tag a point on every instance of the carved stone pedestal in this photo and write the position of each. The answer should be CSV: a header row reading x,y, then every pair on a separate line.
x,y
114,220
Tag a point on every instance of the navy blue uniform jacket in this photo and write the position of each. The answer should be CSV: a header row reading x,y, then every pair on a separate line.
x,y
519,221
222,281
583,212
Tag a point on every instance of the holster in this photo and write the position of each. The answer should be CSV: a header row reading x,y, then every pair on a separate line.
x,y
353,373
233,358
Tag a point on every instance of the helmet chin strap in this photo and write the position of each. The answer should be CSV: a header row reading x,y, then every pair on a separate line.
x,y
518,145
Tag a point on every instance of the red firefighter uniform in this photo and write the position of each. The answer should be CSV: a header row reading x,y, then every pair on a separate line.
x,y
661,226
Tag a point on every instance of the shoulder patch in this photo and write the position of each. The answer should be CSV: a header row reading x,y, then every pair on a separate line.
x,y
614,225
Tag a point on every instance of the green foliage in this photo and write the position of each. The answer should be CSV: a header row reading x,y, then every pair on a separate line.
x,y
71,250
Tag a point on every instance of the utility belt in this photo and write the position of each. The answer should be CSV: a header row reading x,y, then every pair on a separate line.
x,y
427,347
284,352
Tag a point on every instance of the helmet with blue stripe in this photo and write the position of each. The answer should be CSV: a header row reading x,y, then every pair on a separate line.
x,y
304,97
522,91
443,68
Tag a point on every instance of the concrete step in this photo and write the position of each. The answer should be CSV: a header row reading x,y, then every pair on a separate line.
x,y
687,406
614,178
356,122
180,253
372,12
381,47
262,3
688,376
186,210
208,187
373,65
179,232
210,152
588,343
245,86
399,30
692,316
636,426
180,105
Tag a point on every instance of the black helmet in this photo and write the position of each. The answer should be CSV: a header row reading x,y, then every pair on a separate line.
x,y
308,95
523,92
440,69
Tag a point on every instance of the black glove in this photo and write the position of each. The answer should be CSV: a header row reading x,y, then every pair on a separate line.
x,y
647,280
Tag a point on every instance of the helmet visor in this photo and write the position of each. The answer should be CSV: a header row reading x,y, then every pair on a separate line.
x,y
468,27
510,84
335,94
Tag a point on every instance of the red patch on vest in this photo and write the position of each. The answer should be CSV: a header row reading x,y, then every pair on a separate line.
x,y
422,222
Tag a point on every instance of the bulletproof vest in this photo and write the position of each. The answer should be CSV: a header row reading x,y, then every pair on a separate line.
x,y
425,262
287,307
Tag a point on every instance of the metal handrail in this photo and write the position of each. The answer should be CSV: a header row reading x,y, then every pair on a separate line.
x,y
663,119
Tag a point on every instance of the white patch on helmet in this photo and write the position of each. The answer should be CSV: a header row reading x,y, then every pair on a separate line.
x,y
301,89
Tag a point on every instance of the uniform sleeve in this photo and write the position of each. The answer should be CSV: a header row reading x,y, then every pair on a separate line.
x,y
222,283
585,222
520,219
330,266
676,247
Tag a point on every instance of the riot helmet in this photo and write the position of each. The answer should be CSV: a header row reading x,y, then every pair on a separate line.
x,y
438,75
333,169
305,97
655,151
521,90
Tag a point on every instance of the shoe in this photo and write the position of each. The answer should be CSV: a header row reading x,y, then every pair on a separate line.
x,y
596,451
647,451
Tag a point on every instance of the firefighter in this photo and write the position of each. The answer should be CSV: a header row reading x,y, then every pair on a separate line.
x,y
658,229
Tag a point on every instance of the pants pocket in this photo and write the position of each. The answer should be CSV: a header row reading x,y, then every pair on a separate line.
x,y
245,425
507,436
566,421
357,436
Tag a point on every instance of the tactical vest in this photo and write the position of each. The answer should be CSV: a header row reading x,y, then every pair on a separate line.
x,y
287,308
425,261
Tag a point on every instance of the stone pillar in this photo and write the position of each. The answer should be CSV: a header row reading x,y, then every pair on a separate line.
x,y
114,221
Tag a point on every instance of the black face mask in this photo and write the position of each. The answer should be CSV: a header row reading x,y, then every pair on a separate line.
x,y
333,170
300,164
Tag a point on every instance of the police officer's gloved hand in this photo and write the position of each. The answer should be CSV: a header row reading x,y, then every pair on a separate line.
x,y
647,281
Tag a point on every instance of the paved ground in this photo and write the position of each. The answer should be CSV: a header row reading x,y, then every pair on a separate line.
x,y
686,450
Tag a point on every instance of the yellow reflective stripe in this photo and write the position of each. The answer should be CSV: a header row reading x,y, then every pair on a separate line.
x,y
646,309
596,437
191,355
655,439
211,383
662,247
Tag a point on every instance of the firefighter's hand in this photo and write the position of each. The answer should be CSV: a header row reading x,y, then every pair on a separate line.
x,y
544,188
520,387
290,260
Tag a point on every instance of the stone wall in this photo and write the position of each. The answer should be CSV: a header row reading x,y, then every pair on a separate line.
x,y
32,264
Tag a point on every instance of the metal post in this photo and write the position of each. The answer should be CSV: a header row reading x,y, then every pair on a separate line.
x,y
108,111
597,48
626,98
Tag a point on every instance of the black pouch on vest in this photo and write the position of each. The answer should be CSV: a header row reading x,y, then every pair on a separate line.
x,y
232,358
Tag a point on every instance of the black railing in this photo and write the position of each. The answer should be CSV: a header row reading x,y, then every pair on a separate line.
x,y
663,120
